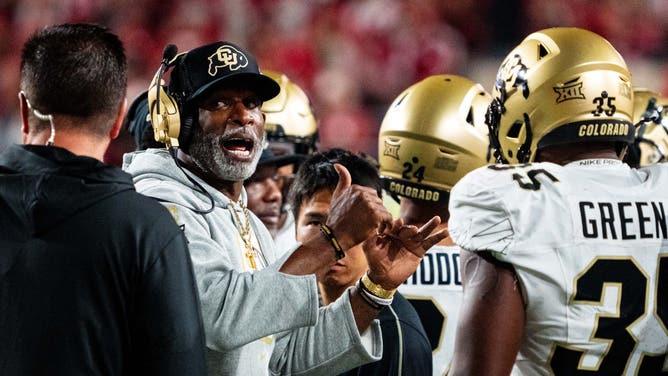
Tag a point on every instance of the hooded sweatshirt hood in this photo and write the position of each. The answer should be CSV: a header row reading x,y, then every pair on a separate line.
x,y
85,263
35,180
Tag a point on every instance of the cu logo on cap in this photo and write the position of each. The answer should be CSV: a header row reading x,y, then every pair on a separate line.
x,y
226,57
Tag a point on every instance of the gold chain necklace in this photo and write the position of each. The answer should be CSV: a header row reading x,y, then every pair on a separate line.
x,y
245,232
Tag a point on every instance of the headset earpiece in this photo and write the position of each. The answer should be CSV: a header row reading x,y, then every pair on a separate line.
x,y
163,108
165,117
187,124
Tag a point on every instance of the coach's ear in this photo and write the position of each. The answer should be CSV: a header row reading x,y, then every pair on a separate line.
x,y
118,123
23,106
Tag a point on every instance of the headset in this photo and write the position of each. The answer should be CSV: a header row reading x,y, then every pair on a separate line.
x,y
165,114
166,111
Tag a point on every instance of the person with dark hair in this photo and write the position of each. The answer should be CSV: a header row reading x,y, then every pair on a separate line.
x,y
318,174
94,277
260,312
406,349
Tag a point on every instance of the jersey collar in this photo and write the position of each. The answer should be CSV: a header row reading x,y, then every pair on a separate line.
x,y
595,163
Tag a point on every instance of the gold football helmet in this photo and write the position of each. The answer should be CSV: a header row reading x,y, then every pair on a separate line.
x,y
290,123
559,85
432,135
650,114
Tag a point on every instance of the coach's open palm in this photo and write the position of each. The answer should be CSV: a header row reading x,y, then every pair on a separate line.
x,y
395,254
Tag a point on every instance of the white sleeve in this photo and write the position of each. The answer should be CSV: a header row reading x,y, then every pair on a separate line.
x,y
479,220
331,347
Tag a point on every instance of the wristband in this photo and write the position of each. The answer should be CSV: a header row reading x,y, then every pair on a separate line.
x,y
371,299
375,288
338,251
366,298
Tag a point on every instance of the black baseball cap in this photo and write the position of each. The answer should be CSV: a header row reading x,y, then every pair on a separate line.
x,y
136,118
221,63
269,159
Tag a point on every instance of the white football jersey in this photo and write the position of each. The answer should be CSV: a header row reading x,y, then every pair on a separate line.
x,y
589,244
435,289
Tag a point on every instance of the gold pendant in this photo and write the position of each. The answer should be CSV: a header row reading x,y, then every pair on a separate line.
x,y
251,258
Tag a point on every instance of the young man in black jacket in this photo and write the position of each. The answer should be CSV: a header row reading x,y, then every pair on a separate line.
x,y
406,349
94,277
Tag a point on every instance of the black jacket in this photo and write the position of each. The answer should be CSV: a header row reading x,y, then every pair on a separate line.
x,y
95,279
406,348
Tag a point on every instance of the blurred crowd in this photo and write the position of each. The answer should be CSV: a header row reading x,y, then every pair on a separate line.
x,y
351,56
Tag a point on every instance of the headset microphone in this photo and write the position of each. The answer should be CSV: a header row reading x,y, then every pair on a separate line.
x,y
169,53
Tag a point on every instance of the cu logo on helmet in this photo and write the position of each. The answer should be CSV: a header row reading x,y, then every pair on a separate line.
x,y
226,57
513,72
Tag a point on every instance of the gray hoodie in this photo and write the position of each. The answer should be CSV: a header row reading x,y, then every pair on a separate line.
x,y
256,321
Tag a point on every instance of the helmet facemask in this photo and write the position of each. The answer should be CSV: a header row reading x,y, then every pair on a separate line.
x,y
650,114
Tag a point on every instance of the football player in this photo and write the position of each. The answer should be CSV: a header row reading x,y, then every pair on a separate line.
x,y
564,252
264,189
651,119
291,128
431,136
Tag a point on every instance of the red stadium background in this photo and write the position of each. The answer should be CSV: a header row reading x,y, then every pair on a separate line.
x,y
353,57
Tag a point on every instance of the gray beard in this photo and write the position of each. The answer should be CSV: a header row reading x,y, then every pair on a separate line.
x,y
207,153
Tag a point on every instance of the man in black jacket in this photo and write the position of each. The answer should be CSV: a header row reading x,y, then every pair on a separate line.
x,y
406,348
94,278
